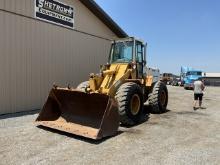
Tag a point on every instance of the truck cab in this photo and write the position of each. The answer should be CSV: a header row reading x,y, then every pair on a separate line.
x,y
191,76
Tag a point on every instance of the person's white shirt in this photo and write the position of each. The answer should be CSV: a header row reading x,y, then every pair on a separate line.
x,y
198,87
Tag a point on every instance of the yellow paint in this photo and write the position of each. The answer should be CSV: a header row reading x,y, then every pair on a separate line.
x,y
149,81
112,77
95,82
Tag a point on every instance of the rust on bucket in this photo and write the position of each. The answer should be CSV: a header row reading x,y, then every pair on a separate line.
x,y
90,115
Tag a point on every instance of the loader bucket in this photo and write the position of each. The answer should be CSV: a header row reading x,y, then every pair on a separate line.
x,y
90,115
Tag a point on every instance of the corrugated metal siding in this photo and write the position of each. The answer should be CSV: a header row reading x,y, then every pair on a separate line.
x,y
35,54
24,7
212,81
85,20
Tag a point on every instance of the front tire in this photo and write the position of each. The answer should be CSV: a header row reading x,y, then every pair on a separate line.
x,y
130,103
158,98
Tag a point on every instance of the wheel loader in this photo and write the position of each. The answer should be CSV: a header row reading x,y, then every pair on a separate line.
x,y
114,96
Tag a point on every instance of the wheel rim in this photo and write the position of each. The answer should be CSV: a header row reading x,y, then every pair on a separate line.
x,y
135,104
163,98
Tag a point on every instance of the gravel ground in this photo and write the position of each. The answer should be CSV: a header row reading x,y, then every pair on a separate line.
x,y
179,136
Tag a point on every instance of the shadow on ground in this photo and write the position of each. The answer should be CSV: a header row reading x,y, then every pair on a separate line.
x,y
147,109
197,112
18,114
92,141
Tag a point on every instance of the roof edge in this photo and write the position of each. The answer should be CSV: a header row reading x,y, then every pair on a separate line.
x,y
104,17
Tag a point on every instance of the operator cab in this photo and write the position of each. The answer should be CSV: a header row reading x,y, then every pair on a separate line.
x,y
129,50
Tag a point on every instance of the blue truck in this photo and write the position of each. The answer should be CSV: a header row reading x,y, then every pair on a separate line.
x,y
188,75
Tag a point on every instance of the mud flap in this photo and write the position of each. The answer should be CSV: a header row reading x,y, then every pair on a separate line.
x,y
90,115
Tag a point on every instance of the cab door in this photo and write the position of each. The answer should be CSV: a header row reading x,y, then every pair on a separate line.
x,y
139,59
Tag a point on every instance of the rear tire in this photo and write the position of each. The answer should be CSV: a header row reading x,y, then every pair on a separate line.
x,y
82,86
158,98
130,103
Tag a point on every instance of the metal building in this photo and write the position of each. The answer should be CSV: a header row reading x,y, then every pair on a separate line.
x,y
212,79
47,41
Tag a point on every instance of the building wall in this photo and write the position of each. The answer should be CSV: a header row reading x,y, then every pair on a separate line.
x,y
212,81
35,54
85,20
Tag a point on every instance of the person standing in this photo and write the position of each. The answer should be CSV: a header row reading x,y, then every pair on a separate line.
x,y
198,92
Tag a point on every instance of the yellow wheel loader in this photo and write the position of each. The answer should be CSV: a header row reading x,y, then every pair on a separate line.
x,y
116,95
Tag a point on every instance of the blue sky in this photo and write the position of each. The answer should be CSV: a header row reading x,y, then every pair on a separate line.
x,y
178,32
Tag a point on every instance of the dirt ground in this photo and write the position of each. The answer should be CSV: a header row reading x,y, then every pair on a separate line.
x,y
179,136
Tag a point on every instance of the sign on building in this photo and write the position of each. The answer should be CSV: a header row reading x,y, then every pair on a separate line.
x,y
55,12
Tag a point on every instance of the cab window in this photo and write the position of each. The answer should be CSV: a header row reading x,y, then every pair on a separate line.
x,y
139,52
